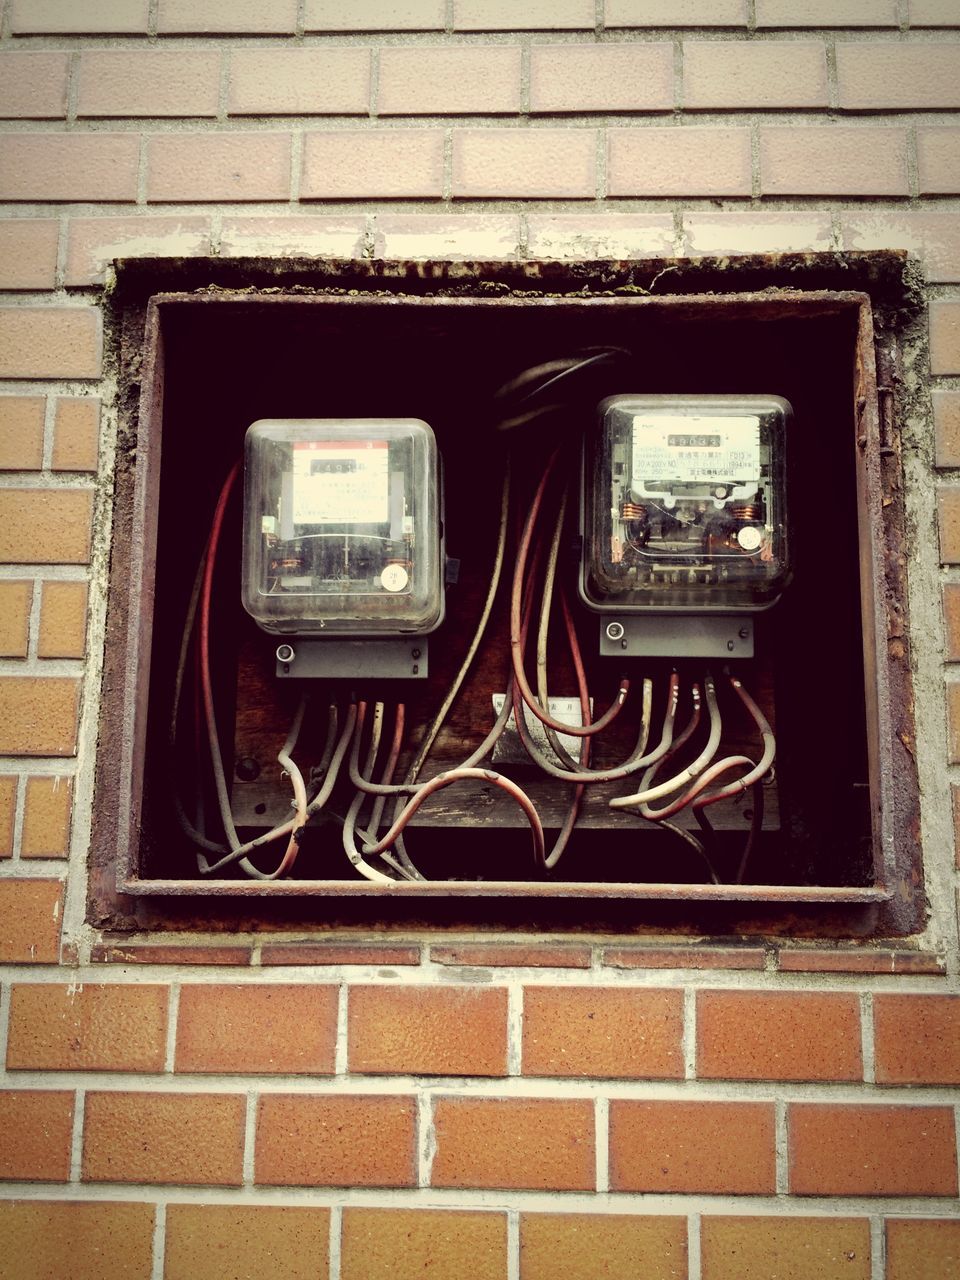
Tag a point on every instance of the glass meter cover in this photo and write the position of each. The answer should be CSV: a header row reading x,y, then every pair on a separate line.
x,y
341,527
684,504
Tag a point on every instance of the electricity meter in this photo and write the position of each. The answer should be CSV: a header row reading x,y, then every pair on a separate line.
x,y
684,521
342,528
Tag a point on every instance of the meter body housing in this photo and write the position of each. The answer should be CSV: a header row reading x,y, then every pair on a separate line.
x,y
683,516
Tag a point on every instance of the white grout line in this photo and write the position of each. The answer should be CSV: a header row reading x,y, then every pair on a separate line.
x,y
173,1014
76,1137
6,993
249,1138
867,1037
514,1028
878,1262
513,1244
602,1140
782,1148
336,1241
341,1060
159,1240
426,1139
20,801
690,1033
694,1264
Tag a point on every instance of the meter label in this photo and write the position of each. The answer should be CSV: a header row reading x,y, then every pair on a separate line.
x,y
336,483
695,450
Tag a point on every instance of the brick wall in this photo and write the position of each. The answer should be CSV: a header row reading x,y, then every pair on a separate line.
x,y
358,1105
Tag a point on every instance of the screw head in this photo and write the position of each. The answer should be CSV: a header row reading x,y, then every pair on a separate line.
x,y
614,630
247,769
285,653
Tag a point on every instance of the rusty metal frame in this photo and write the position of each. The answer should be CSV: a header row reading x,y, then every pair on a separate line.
x,y
115,878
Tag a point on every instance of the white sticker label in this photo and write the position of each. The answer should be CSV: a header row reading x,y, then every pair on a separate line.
x,y
695,450
394,577
338,483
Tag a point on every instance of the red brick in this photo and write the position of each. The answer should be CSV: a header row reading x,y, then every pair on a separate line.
x,y
47,806
21,433
106,17
69,166
469,80
766,74
295,82
524,162
148,83
338,953
33,85
439,1031
218,166
45,526
751,231
934,237
372,15
944,337
722,1148
922,1249
225,1241
872,1150
8,800
38,714
545,1144
474,237
355,1140
76,435
787,1247
310,237
87,1028
946,420
601,77
30,913
685,957
35,1135
16,600
898,76
533,15
493,955
951,617
797,160
917,1039
938,161
167,953
92,243
953,721
262,1030
675,161
355,164
568,1246
772,1035
809,961
257,17
403,1244
934,13
675,13
608,1032
28,253
50,342
51,1240
186,1138
827,13
609,235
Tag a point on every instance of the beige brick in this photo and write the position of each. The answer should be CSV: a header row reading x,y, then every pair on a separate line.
x,y
536,163
601,77
92,243
897,76
611,235
76,432
765,74
934,237
218,166
938,161
21,433
35,1129
476,237
922,1249
827,13
106,17
567,1246
74,166
63,620
47,811
374,15
93,1027
470,80
45,526
293,237
16,599
532,15
675,161
224,1242
297,82
797,160
8,806
401,1244
38,715
948,508
258,17
934,13
752,231
945,337
675,13
33,86
30,914
790,1248
946,418
52,1240
356,164
28,253
50,342
138,82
